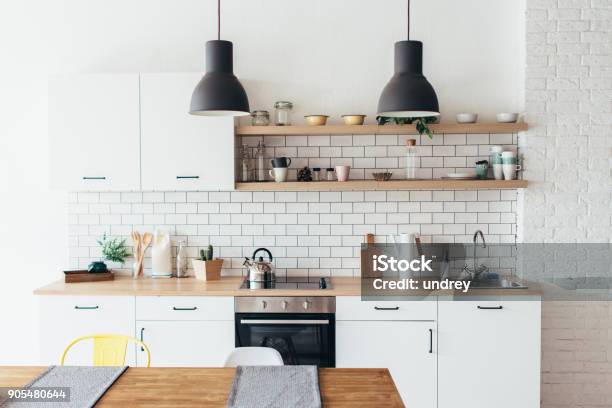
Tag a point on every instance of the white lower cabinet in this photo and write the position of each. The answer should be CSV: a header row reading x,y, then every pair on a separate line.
x,y
64,318
185,331
378,334
489,354
186,343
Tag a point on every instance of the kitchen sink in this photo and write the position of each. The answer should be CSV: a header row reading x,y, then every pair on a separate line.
x,y
496,284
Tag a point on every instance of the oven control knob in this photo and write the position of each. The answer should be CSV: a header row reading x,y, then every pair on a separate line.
x,y
284,304
306,304
263,304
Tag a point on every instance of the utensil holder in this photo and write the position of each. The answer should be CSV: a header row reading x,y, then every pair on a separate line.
x,y
207,270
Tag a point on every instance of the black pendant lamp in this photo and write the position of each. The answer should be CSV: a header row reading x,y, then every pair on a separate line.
x,y
219,93
408,94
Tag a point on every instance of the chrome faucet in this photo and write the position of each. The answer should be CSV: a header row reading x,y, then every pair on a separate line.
x,y
474,273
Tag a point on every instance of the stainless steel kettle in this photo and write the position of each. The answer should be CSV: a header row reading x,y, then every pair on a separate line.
x,y
260,270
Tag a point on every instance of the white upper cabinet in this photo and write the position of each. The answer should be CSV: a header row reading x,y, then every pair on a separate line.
x,y
94,132
181,151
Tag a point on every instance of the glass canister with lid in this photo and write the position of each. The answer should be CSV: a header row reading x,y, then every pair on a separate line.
x,y
282,113
260,118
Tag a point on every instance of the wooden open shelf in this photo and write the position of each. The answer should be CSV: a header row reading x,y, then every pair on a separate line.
x,y
435,184
470,128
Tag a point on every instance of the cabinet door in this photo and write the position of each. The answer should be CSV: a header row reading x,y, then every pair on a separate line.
x,y
401,346
64,318
186,343
487,356
94,132
181,151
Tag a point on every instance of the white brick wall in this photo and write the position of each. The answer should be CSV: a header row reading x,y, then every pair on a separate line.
x,y
567,155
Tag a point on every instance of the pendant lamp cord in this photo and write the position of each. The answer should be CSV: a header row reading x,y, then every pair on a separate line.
x,y
218,19
408,19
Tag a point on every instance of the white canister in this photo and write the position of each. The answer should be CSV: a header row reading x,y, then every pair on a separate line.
x,y
161,255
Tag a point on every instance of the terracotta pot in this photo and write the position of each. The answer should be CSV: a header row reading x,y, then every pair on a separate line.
x,y
207,270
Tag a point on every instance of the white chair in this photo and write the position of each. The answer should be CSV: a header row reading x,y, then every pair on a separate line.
x,y
254,356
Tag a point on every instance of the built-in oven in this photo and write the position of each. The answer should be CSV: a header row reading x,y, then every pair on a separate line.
x,y
302,329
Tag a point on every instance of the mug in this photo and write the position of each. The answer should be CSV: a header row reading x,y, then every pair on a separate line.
x,y
279,174
498,172
280,162
482,170
342,172
508,158
510,170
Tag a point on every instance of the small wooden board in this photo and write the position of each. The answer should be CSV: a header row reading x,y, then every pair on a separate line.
x,y
86,276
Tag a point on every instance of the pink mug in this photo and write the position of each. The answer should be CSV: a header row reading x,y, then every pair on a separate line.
x,y
342,172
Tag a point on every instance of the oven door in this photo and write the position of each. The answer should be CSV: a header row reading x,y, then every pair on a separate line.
x,y
300,338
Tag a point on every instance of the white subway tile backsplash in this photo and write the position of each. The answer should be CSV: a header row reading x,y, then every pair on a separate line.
x,y
309,232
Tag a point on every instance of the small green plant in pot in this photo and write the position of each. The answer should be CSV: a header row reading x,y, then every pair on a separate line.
x,y
207,268
113,250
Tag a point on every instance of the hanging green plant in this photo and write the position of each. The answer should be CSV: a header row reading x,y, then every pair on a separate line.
x,y
422,124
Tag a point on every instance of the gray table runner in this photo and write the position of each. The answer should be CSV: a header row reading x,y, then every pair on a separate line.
x,y
275,386
86,384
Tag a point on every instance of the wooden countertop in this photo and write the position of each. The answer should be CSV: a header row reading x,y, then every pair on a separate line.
x,y
198,387
229,286
226,286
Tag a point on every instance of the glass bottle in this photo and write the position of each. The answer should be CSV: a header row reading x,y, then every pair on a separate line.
x,y
181,261
245,165
411,159
282,113
259,162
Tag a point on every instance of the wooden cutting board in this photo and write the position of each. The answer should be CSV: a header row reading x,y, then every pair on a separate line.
x,y
86,276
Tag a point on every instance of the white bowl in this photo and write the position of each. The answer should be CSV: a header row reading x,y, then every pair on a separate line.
x,y
467,117
507,117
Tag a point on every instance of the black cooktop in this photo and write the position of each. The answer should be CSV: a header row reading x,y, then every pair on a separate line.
x,y
290,282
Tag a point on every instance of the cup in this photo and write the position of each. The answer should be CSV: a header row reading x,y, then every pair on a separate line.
x,y
342,172
510,170
279,174
498,172
508,158
482,170
280,162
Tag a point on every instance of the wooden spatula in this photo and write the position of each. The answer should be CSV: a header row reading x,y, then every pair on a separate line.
x,y
147,238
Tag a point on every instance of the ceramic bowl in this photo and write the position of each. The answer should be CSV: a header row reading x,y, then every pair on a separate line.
x,y
316,120
353,119
467,117
507,117
382,176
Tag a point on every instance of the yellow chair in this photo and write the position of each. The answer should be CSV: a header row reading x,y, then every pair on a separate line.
x,y
109,349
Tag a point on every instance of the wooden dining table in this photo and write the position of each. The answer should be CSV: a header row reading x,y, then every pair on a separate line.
x,y
209,387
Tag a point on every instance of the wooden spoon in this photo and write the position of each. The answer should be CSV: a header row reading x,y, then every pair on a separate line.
x,y
147,238
136,239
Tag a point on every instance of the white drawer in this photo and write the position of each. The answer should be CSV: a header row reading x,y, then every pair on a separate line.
x,y
353,308
87,308
184,308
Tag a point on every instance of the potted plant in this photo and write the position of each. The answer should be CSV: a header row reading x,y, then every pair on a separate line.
x,y
113,250
207,268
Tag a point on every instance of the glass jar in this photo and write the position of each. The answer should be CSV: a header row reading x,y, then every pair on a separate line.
x,y
411,159
316,174
329,173
245,164
260,118
181,260
260,169
282,113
